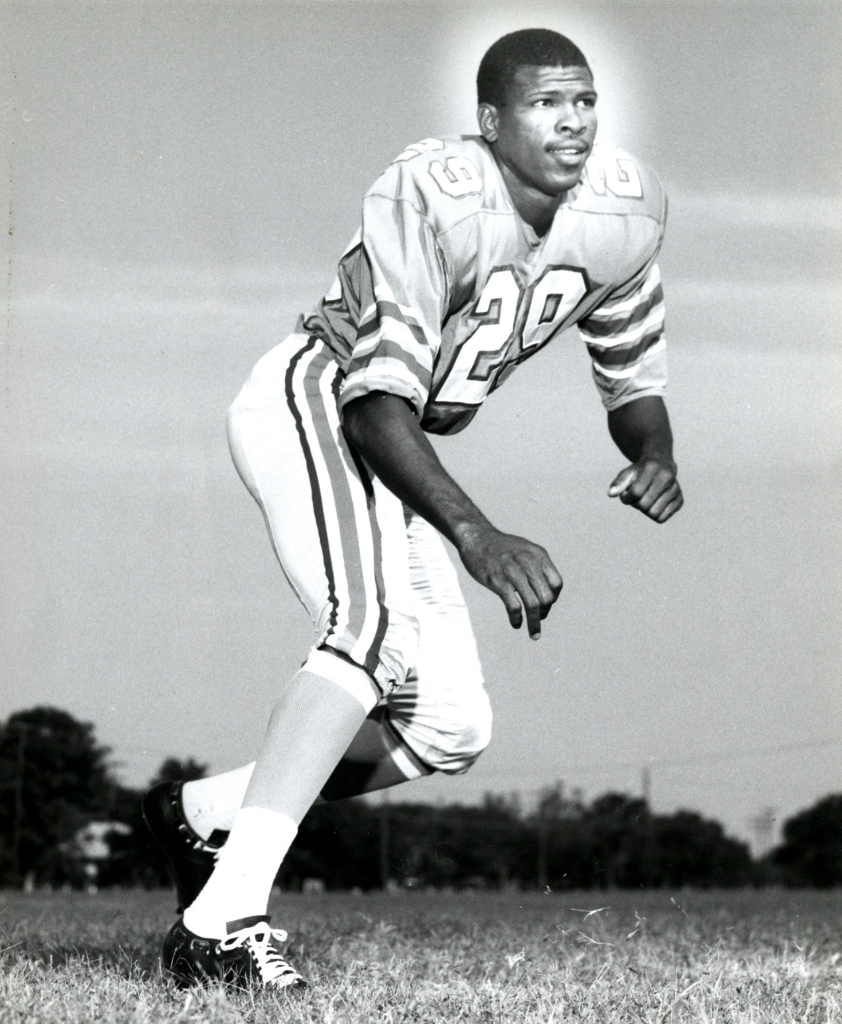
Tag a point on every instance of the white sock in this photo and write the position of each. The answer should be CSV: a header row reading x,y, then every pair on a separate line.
x,y
245,871
211,804
312,724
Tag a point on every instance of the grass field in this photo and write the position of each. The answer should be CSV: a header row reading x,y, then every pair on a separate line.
x,y
418,957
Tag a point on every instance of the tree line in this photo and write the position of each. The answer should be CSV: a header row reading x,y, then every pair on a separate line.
x,y
56,779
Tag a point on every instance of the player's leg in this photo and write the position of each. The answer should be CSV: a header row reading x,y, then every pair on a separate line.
x,y
441,716
440,719
191,821
442,707
341,540
311,726
376,759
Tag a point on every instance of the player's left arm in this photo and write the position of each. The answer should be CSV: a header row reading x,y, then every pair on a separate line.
x,y
641,430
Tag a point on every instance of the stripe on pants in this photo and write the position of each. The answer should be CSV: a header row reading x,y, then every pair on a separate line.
x,y
315,491
349,533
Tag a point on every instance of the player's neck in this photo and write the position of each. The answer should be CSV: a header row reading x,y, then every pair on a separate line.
x,y
535,207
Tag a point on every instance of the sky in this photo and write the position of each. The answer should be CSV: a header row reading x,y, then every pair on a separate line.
x,y
179,182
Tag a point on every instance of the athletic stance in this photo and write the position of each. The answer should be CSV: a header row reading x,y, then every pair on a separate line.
x,y
473,254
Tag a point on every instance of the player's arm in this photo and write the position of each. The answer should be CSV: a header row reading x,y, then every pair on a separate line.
x,y
385,431
641,430
625,339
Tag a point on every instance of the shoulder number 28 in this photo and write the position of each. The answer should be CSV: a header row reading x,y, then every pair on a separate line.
x,y
457,176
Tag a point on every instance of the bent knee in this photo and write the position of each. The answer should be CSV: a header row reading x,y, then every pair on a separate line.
x,y
473,738
462,737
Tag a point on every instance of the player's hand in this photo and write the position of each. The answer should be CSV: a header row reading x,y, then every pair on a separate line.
x,y
521,573
650,485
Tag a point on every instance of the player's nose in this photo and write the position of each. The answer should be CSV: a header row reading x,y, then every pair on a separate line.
x,y
570,118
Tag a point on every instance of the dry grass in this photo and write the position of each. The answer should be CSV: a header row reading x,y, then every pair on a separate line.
x,y
588,957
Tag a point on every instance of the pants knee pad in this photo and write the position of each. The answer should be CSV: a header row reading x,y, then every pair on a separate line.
x,y
448,741
473,737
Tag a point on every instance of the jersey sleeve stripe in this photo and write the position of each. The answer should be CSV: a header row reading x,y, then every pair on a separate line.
x,y
386,312
604,327
385,375
385,369
625,305
398,338
653,323
625,355
390,352
658,345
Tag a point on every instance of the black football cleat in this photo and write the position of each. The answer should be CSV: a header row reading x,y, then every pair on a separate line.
x,y
247,956
191,858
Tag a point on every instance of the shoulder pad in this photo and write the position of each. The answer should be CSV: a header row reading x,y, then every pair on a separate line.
x,y
618,182
441,177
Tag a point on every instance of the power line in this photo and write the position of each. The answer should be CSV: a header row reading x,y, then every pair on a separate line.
x,y
736,755
598,768
710,757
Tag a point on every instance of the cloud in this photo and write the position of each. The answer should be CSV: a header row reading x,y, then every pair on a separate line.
x,y
232,289
766,294
790,212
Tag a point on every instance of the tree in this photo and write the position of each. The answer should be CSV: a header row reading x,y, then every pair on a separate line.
x,y
136,859
617,833
337,843
173,769
691,850
54,779
811,853
559,857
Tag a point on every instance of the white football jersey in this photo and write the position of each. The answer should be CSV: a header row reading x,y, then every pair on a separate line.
x,y
445,289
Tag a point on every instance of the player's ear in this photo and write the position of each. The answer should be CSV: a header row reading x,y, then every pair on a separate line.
x,y
487,118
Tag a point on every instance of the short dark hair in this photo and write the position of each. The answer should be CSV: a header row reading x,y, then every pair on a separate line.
x,y
536,47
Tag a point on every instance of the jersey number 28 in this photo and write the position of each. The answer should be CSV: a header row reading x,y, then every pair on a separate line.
x,y
504,335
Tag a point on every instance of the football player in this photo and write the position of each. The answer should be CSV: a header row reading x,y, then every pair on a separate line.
x,y
473,253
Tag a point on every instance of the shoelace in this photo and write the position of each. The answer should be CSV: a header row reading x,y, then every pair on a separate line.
x,y
258,939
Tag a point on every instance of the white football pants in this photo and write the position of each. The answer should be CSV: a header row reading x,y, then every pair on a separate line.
x,y
374,576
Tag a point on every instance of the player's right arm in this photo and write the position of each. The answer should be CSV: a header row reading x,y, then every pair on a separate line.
x,y
386,432
403,290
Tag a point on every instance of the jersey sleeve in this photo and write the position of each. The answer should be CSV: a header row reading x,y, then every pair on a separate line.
x,y
404,296
625,339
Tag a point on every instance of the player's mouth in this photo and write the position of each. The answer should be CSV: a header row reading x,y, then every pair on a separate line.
x,y
569,153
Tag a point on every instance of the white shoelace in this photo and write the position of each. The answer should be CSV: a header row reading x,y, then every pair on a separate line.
x,y
259,941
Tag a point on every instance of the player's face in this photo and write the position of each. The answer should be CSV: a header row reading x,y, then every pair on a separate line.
x,y
544,132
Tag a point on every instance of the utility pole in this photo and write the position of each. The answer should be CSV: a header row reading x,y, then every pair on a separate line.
x,y
649,827
543,867
384,841
763,825
17,825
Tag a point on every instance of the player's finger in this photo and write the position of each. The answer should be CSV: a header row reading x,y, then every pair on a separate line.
x,y
622,481
661,501
541,588
649,488
508,595
543,576
553,577
531,602
646,500
672,508
547,592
